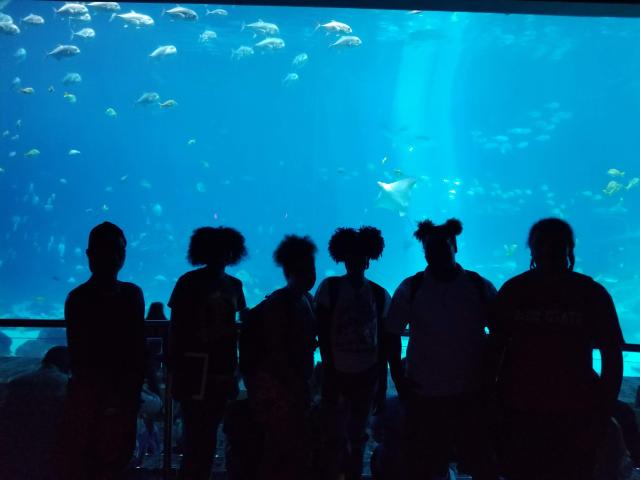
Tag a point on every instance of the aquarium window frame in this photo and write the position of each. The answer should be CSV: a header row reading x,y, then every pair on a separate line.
x,y
584,8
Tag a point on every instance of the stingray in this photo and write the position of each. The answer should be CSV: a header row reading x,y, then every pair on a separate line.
x,y
396,196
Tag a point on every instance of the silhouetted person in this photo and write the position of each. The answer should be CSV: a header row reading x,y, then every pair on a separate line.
x,y
203,352
5,345
244,442
351,312
626,418
30,417
156,311
279,336
548,320
388,461
446,308
105,336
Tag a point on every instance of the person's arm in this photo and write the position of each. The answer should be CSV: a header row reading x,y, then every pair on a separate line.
x,y
176,343
612,368
77,341
496,341
323,321
609,341
383,369
396,322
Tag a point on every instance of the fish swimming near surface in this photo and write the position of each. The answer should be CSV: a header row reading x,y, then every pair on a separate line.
x,y
300,60
32,19
27,90
290,79
148,98
396,196
219,12
270,43
9,28
612,188
105,6
72,9
82,18
164,51
614,172
34,152
85,34
71,78
64,51
207,35
169,104
20,54
347,41
261,27
241,52
334,27
134,18
181,13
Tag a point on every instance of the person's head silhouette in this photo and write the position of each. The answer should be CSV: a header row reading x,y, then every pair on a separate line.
x,y
551,242
106,250
439,243
216,247
156,311
356,248
57,357
296,256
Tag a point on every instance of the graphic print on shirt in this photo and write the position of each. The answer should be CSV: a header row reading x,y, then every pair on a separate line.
x,y
355,326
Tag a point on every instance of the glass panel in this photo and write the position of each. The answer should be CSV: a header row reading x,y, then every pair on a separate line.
x,y
496,119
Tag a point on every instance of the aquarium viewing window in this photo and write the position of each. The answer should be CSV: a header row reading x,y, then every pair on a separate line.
x,y
162,124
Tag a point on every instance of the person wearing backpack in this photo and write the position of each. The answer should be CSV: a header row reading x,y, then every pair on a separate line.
x,y
350,311
203,342
278,339
446,308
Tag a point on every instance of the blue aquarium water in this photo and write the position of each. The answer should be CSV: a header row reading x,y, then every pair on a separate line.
x,y
495,119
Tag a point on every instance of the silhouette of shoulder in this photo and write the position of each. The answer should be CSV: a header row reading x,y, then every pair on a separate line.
x,y
574,280
125,288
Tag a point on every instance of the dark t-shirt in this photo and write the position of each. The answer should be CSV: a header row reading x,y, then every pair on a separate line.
x,y
550,324
290,337
105,336
203,315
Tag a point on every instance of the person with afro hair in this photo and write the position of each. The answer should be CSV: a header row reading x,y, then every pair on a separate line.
x,y
548,321
351,311
203,342
279,383
447,310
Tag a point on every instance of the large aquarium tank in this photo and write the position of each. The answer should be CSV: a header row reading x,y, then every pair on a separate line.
x,y
278,120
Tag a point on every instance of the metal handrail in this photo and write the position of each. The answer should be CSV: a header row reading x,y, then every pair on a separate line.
x,y
160,329
153,329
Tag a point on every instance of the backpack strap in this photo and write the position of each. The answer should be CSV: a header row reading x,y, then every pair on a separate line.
x,y
325,318
414,285
379,297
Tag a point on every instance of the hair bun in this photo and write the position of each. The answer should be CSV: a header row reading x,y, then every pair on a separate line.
x,y
454,226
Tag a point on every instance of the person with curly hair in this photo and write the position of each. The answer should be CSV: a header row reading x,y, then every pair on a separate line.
x,y
203,342
447,310
549,319
280,334
350,311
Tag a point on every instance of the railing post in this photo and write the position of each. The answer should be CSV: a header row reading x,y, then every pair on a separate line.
x,y
167,456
